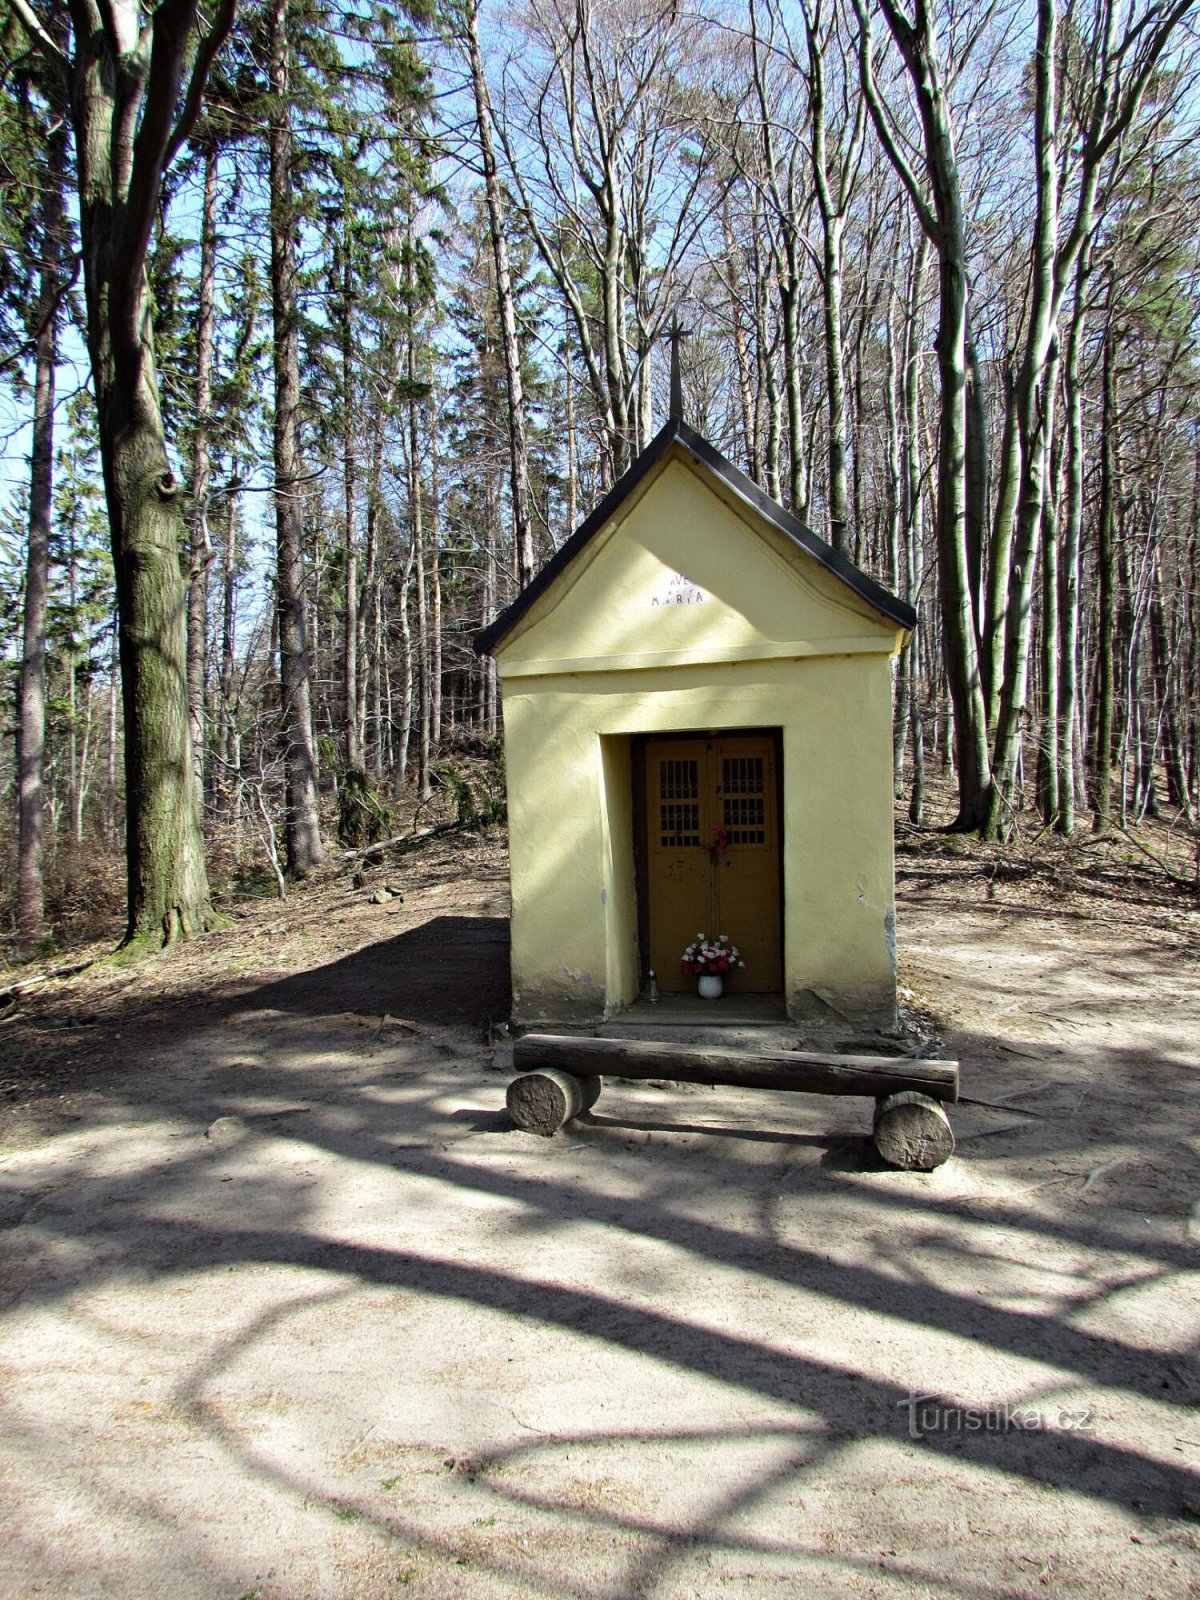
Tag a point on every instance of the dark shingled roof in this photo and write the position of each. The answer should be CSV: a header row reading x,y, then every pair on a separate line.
x,y
698,447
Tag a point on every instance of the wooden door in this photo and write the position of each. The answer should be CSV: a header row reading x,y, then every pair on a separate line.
x,y
710,833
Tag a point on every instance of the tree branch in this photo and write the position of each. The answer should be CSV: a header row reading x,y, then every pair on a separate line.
x,y
172,24
52,51
205,56
1129,102
881,117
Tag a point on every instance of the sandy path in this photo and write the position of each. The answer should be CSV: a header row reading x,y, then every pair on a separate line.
x,y
287,1311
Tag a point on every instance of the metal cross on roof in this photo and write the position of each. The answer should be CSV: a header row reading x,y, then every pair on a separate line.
x,y
676,333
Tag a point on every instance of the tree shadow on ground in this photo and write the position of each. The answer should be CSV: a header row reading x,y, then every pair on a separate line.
x,y
377,1164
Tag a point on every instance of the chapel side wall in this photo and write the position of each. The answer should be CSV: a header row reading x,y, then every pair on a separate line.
x,y
574,908
839,876
556,859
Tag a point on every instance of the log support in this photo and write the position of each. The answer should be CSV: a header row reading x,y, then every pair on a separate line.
x,y
545,1101
912,1131
560,1079
809,1073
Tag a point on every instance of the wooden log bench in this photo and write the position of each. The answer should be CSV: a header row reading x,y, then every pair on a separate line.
x,y
560,1077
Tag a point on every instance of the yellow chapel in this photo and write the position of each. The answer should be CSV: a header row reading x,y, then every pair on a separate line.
x,y
697,702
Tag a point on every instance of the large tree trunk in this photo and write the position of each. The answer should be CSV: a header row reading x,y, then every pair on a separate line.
x,y
1035,415
71,662
1069,571
1107,564
369,664
403,735
768,382
164,855
958,613
995,600
31,688
1048,768
913,517
228,630
1164,683
381,687
789,297
612,303
112,795
572,442
302,820
978,480
435,580
491,606
201,546
119,180
835,378
833,199
891,406
350,659
518,450
1034,411
416,511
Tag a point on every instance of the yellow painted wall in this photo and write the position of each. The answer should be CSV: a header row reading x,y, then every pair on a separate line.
x,y
774,642
760,595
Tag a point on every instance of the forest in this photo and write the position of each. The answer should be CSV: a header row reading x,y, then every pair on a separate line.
x,y
323,325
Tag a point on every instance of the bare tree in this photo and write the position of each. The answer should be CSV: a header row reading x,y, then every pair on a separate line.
x,y
835,152
943,221
302,823
1119,70
201,544
611,158
31,686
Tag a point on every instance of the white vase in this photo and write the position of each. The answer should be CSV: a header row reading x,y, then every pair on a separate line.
x,y
710,985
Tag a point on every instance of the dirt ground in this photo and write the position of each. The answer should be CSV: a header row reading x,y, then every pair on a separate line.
x,y
289,1311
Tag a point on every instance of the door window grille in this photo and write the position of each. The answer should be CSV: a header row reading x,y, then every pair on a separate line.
x,y
745,820
742,775
679,810
679,780
743,801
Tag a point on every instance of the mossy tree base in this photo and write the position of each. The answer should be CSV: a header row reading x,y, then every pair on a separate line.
x,y
175,929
